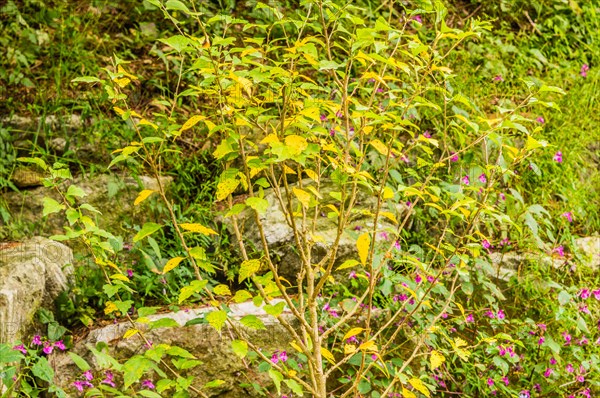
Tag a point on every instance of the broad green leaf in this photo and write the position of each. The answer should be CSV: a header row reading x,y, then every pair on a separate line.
x,y
37,161
277,378
260,205
42,370
252,322
348,264
295,387
134,369
51,206
74,190
275,310
148,229
214,383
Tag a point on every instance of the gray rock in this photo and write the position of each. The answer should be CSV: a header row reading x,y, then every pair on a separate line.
x,y
589,248
201,340
112,195
26,177
32,274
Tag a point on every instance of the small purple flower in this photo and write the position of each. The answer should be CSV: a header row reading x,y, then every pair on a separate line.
x,y
596,294
47,348
486,244
569,368
490,381
552,361
332,132
470,318
560,250
130,273
541,340
37,340
454,157
501,351
548,372
498,78
482,178
148,384
490,314
584,70
374,357
501,314
505,380
88,375
418,278
540,119
558,157
567,337
568,215
542,326
583,341
339,114
352,275
584,294
525,393
465,180
323,118
109,379
418,19
352,340
427,134
580,378
78,385
21,348
502,196
397,245
384,235
283,356
60,345
430,279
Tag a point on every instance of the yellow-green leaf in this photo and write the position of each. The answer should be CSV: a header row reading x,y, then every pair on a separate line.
x,y
241,296
303,196
352,332
240,348
380,147
363,244
143,196
296,143
130,332
436,359
222,290
216,319
201,229
191,123
172,263
407,393
247,269
347,264
327,355
226,187
419,386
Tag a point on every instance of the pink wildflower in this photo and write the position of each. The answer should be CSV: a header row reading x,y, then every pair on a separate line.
x,y
558,157
584,70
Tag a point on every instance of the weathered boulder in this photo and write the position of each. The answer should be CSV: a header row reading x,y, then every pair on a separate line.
x,y
586,252
279,235
201,340
32,274
26,177
111,195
